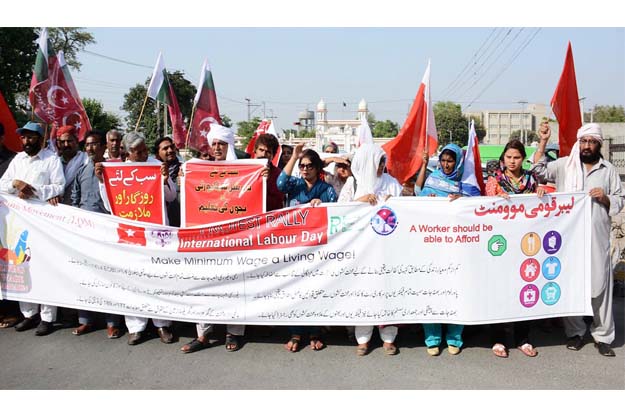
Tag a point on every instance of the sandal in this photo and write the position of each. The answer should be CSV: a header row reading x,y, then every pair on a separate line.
x,y
194,345
293,344
389,349
316,343
500,350
232,343
362,349
9,321
528,350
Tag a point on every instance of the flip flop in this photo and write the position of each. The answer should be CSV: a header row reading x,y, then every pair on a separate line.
x,y
316,343
293,344
194,346
528,350
362,349
500,350
9,321
390,350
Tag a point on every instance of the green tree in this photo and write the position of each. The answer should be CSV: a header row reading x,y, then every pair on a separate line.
x,y
18,51
386,128
451,125
531,136
100,119
225,120
606,113
71,40
246,129
149,125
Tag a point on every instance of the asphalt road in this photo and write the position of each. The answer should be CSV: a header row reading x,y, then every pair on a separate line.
x,y
64,361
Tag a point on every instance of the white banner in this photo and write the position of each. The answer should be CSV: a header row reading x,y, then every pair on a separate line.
x,y
414,260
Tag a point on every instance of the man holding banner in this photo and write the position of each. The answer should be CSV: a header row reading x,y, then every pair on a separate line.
x,y
221,141
35,173
138,152
585,169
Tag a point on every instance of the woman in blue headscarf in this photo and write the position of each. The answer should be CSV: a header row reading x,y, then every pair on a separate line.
x,y
446,181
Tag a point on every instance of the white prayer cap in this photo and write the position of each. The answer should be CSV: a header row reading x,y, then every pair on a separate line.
x,y
592,129
225,134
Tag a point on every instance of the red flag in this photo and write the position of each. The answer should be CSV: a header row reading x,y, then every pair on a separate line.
x,y
565,105
68,108
206,111
11,137
132,235
265,127
52,93
405,152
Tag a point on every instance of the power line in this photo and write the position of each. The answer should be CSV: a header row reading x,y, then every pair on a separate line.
x,y
469,62
490,66
521,49
118,60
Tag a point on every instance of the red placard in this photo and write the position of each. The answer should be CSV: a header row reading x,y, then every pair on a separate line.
x,y
135,191
219,191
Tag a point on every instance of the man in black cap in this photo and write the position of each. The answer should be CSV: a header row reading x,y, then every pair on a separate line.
x,y
35,173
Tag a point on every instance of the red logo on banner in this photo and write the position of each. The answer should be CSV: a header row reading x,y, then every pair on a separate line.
x,y
280,229
220,191
135,191
132,235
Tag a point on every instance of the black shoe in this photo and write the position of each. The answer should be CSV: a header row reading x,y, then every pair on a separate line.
x,y
44,328
575,343
604,349
27,324
135,338
165,334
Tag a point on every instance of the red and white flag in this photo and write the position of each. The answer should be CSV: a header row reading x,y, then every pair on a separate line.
x,y
565,106
206,111
405,152
161,90
12,139
265,127
472,177
52,93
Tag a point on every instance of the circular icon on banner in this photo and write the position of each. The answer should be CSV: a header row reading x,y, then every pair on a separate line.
x,y
529,295
384,221
550,293
530,270
530,244
552,242
551,268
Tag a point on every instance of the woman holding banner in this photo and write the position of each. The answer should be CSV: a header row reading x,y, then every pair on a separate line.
x,y
446,181
369,184
309,188
511,179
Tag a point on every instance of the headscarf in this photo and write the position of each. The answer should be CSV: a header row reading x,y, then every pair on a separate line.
x,y
365,168
574,175
224,134
441,184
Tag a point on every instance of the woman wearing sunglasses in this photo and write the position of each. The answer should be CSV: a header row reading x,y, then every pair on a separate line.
x,y
308,188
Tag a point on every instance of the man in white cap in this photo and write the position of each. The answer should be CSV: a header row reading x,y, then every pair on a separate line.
x,y
221,141
35,173
585,170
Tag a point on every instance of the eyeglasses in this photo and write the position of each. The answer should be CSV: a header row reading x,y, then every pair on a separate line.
x,y
306,166
589,142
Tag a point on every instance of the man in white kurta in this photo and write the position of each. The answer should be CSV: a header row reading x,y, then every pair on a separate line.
x,y
35,173
585,169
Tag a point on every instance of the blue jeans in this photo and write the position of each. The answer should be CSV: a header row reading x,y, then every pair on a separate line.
x,y
433,334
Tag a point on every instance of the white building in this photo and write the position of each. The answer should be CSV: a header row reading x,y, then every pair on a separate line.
x,y
342,132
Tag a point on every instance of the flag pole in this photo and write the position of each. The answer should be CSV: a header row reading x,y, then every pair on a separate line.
x,y
145,101
186,140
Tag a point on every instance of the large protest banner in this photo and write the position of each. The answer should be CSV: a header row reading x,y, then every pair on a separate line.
x,y
218,191
135,191
413,260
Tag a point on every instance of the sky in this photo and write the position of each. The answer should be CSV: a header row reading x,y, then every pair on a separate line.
x,y
284,70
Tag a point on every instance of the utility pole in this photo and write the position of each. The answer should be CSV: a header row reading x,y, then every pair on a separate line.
x,y
523,134
248,108
264,112
450,135
581,107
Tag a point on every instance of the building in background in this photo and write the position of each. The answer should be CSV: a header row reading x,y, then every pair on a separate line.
x,y
500,123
